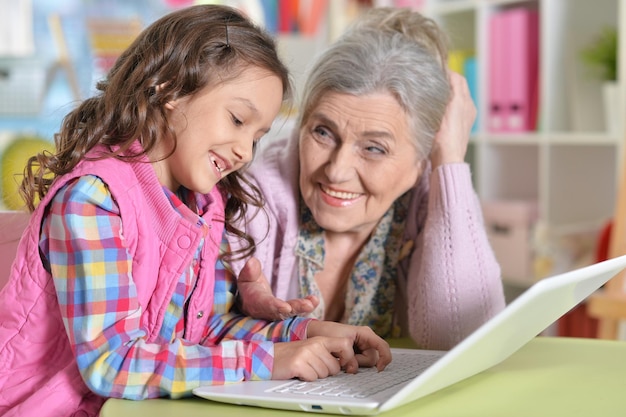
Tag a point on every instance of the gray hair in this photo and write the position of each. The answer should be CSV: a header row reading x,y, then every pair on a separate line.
x,y
396,51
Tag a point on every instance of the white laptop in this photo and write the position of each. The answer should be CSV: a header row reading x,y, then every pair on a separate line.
x,y
522,320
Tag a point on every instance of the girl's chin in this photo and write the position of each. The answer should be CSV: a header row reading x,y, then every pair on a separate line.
x,y
206,188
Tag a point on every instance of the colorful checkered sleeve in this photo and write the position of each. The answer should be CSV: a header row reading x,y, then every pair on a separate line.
x,y
228,324
83,244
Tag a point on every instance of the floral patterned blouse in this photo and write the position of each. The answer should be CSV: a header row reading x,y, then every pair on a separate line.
x,y
370,292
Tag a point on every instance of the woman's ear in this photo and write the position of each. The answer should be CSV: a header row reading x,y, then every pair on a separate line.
x,y
423,165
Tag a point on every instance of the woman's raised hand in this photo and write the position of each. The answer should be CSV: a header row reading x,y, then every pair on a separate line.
x,y
451,141
257,300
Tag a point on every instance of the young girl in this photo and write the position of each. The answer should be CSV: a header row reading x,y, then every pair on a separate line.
x,y
115,290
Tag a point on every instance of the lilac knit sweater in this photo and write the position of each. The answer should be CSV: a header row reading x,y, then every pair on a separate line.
x,y
449,282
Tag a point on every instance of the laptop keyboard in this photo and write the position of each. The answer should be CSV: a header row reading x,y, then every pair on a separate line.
x,y
367,381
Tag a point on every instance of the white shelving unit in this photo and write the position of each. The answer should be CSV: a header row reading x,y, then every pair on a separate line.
x,y
570,166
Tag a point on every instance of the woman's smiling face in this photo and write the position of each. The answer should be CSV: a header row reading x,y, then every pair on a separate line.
x,y
357,156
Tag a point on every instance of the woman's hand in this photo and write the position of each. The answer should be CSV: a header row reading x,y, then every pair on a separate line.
x,y
451,141
257,300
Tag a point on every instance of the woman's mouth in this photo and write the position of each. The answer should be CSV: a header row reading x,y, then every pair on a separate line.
x,y
344,195
338,198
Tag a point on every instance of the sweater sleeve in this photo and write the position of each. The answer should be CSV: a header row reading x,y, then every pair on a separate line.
x,y
274,227
453,280
92,270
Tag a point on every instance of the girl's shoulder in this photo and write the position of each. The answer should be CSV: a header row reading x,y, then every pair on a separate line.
x,y
87,188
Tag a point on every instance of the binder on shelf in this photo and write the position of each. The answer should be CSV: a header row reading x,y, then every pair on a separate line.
x,y
513,70
270,15
288,16
456,60
464,62
311,15
497,80
523,44
471,75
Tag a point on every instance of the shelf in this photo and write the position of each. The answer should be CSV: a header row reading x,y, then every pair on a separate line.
x,y
556,138
570,164
451,7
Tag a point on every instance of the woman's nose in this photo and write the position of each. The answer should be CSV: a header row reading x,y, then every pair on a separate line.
x,y
340,165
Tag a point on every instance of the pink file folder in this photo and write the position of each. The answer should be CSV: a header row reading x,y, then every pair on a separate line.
x,y
311,15
521,100
513,70
497,80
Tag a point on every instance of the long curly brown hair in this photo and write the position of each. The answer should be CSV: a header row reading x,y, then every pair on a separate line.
x,y
180,53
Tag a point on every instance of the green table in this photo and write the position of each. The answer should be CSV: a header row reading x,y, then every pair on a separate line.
x,y
547,377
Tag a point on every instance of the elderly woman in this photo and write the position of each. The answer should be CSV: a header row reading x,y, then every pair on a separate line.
x,y
370,216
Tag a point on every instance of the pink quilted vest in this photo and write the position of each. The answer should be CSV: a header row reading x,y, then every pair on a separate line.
x,y
38,372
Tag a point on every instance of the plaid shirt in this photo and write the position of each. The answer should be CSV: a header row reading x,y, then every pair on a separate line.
x,y
83,247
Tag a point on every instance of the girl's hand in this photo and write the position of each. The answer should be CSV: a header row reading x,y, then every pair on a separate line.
x,y
257,300
311,359
369,349
330,348
451,141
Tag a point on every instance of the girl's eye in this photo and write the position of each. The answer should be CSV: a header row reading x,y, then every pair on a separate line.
x,y
236,121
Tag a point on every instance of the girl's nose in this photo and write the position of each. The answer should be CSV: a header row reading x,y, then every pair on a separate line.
x,y
243,150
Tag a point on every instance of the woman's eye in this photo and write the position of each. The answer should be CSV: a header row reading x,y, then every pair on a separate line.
x,y
321,132
376,149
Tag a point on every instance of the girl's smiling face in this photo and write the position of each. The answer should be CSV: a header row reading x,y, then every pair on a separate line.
x,y
357,156
216,129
